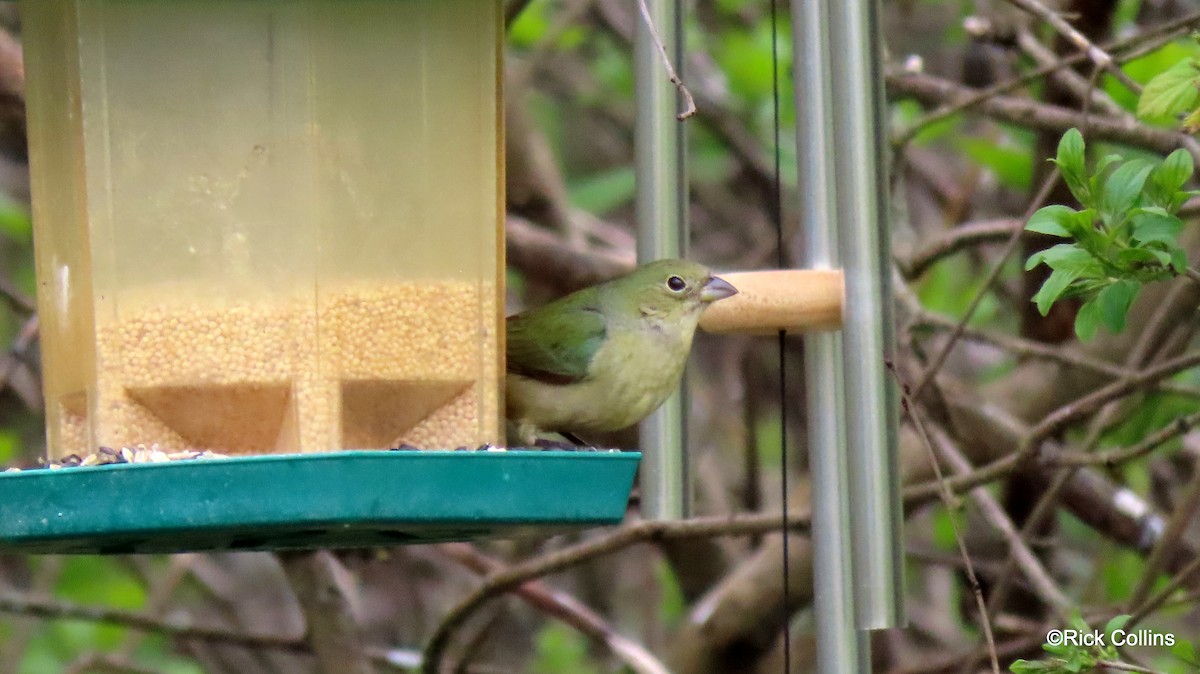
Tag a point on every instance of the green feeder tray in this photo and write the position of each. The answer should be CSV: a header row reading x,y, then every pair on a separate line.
x,y
341,499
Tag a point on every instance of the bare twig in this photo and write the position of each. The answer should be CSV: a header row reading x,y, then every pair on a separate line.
x,y
55,610
1159,598
1126,667
1053,422
157,602
12,649
689,104
108,664
1117,457
1144,349
18,300
504,581
477,636
1137,45
948,500
1010,247
1067,77
20,347
949,664
547,254
320,583
956,239
1028,348
1060,417
1031,114
1101,58
1167,543
564,607
1032,567
713,107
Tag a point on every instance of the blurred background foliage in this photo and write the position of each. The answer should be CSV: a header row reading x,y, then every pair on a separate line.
x,y
713,605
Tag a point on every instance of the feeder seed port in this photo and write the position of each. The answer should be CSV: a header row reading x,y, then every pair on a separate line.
x,y
794,300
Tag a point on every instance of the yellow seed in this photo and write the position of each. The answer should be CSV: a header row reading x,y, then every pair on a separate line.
x,y
243,366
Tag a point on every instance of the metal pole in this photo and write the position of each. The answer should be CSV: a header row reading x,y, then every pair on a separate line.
x,y
838,647
871,406
662,232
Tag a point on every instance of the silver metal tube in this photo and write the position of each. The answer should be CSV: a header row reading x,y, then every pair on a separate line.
x,y
662,232
837,641
870,399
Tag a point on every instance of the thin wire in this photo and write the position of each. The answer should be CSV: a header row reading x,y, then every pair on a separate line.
x,y
777,215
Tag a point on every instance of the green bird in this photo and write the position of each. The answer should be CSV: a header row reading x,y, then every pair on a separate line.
x,y
605,357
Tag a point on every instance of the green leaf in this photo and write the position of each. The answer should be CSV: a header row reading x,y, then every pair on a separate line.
x,y
1070,162
1096,182
1122,188
1191,123
530,25
1078,224
604,191
1059,649
671,605
10,442
1053,288
14,221
1066,257
1011,164
1179,260
1171,92
1082,226
1087,320
561,649
1168,178
1114,303
1052,220
745,58
1152,226
1106,161
1131,259
1184,650
1166,252
1116,623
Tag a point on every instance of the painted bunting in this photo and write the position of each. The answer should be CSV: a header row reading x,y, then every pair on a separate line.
x,y
603,358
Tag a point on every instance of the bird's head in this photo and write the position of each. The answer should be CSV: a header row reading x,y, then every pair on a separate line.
x,y
670,289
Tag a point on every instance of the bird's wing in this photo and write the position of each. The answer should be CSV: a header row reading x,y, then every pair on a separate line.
x,y
561,347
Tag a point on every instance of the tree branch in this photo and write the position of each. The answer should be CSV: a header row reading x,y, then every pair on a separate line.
x,y
322,587
55,610
956,239
503,581
1130,48
1031,114
564,607
947,499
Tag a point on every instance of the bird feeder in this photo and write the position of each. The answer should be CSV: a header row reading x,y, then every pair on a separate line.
x,y
271,230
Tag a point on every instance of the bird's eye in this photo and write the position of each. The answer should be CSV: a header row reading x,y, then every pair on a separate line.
x,y
676,284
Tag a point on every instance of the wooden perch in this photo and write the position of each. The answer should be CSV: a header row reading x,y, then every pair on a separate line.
x,y
796,300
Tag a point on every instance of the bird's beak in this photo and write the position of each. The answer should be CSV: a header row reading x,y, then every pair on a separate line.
x,y
716,288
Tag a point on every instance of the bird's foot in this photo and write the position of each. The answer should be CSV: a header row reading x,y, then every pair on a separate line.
x,y
569,443
556,445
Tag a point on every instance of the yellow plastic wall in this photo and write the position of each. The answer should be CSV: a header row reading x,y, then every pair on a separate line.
x,y
267,226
